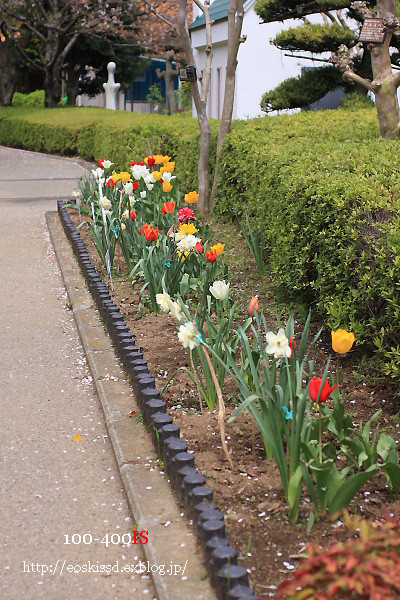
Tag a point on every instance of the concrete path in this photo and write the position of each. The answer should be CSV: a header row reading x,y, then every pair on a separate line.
x,y
60,499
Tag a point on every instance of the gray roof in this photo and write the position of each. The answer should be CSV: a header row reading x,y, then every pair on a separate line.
x,y
218,12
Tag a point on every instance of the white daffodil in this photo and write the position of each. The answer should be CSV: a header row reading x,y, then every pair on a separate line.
x,y
164,301
139,171
176,311
107,164
132,201
168,176
187,336
220,290
105,203
76,193
128,189
125,214
143,194
123,226
187,243
278,344
97,173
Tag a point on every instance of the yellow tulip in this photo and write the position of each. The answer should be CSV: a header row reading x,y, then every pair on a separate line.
x,y
157,175
342,341
188,228
169,167
166,186
125,176
218,248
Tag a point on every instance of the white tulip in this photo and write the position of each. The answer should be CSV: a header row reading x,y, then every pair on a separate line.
x,y
220,290
128,189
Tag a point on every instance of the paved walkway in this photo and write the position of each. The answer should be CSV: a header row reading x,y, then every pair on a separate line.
x,y
53,489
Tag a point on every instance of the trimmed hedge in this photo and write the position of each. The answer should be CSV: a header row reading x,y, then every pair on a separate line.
x,y
324,185
327,189
95,133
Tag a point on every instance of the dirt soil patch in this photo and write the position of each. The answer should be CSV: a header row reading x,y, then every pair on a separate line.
x,y
251,497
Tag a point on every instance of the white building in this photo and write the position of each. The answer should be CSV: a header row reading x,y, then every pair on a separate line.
x,y
261,66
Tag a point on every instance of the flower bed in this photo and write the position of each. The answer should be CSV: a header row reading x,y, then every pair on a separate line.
x,y
278,346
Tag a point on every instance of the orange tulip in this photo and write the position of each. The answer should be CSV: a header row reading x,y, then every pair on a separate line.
x,y
168,207
151,233
253,307
192,197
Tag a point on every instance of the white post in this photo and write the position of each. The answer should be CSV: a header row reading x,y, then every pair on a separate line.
x,y
111,88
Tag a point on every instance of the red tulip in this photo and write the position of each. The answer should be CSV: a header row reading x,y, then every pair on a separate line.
x,y
150,161
137,163
293,345
133,215
200,248
315,386
253,307
101,162
135,185
211,256
168,207
151,233
111,183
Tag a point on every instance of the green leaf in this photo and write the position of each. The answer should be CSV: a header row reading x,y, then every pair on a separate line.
x,y
385,445
393,475
294,493
350,488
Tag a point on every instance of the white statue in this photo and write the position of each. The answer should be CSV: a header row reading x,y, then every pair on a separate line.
x,y
111,88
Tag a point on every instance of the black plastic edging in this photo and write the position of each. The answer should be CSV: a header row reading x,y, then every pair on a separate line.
x,y
229,579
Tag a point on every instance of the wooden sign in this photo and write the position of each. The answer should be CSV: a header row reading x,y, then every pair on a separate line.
x,y
373,31
188,73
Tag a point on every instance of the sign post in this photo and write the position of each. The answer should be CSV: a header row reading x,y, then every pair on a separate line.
x,y
373,31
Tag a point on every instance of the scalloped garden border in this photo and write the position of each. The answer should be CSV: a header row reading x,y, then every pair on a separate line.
x,y
229,579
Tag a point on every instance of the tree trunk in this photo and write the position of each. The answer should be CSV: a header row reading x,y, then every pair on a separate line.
x,y
72,84
234,38
7,89
204,206
8,74
52,88
386,101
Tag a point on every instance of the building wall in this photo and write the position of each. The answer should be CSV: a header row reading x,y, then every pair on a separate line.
x,y
261,66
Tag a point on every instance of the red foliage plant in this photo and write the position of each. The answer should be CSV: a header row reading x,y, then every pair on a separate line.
x,y
365,567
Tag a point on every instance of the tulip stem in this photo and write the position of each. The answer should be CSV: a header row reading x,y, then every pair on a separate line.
x,y
320,434
197,382
337,369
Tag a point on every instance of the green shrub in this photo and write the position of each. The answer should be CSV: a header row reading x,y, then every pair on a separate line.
x,y
355,101
96,133
35,98
331,190
301,91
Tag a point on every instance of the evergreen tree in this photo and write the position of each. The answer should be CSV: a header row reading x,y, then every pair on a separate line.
x,y
340,25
